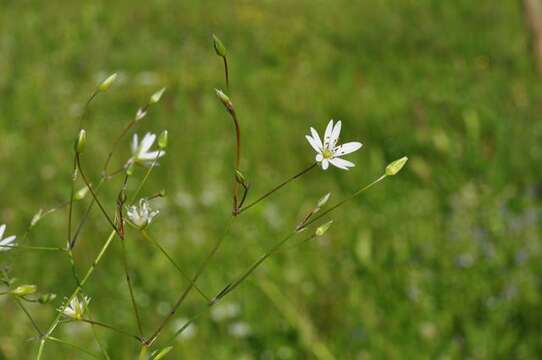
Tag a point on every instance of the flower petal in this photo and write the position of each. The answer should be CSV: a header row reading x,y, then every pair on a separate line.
x,y
325,164
151,155
335,134
313,143
327,134
341,163
319,157
147,142
347,148
135,143
316,137
7,243
2,229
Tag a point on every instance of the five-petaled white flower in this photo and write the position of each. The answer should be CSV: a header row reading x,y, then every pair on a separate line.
x,y
77,307
8,242
328,152
142,215
141,153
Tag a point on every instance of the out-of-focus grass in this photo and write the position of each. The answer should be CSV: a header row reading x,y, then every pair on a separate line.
x,y
441,261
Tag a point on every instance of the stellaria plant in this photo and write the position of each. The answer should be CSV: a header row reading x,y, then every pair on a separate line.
x,y
131,210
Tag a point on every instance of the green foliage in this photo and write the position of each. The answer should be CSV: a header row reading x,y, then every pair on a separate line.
x,y
442,260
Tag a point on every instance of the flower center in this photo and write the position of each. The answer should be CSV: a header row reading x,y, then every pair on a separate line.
x,y
327,154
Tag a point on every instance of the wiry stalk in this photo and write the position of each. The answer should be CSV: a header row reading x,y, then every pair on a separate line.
x,y
276,188
185,293
163,251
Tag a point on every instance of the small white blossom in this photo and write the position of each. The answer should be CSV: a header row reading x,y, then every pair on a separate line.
x,y
141,216
141,153
76,308
225,311
240,329
8,242
328,151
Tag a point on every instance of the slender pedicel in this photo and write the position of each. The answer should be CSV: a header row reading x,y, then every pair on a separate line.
x,y
163,251
185,293
276,188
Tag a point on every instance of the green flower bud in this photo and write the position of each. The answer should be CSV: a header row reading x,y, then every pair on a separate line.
x,y
81,142
220,49
130,169
396,166
321,230
163,139
141,113
81,193
157,96
46,298
240,177
225,100
36,218
24,290
106,84
323,200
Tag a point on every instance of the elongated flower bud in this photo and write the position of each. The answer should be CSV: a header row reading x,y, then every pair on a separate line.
x,y
106,84
321,230
141,113
396,166
240,177
157,96
24,290
36,218
81,142
163,139
323,200
225,100
220,49
81,193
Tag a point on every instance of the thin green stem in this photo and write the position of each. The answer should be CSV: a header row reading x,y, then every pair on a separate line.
x,y
70,206
130,287
226,73
185,293
91,269
234,284
87,183
143,352
28,316
342,202
110,327
54,339
95,334
186,277
276,188
27,247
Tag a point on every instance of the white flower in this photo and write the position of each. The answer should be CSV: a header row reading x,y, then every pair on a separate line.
x,y
225,311
77,307
239,329
140,150
8,242
142,215
328,152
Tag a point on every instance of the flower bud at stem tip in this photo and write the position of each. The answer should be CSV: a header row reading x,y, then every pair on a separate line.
x,y
81,142
106,84
220,49
396,166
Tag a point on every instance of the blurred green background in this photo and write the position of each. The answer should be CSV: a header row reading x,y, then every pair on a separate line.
x,y
442,261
